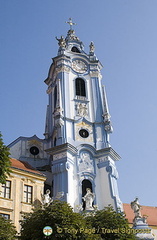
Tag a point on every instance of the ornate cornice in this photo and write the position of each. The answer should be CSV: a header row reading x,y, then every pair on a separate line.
x,y
62,148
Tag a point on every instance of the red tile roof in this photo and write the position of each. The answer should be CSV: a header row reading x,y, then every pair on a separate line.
x,y
24,166
150,212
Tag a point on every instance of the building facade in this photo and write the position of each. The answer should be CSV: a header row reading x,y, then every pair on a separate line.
x,y
23,188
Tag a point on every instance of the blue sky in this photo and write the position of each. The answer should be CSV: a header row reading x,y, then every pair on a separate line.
x,y
125,36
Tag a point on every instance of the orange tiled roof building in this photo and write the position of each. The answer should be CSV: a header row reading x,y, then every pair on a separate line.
x,y
23,188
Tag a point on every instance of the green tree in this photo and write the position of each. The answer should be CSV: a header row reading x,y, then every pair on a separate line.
x,y
59,215
5,163
101,224
7,229
111,225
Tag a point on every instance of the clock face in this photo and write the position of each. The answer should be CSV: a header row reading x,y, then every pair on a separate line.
x,y
34,150
84,133
79,66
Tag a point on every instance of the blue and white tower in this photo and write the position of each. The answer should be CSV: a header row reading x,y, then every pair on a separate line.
x,y
78,127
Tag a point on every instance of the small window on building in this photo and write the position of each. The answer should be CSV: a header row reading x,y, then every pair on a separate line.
x,y
6,189
75,49
28,193
55,141
6,216
80,87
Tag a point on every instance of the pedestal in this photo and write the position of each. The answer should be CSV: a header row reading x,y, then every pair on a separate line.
x,y
142,230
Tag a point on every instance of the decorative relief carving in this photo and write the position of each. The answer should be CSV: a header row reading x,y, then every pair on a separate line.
x,y
85,163
81,109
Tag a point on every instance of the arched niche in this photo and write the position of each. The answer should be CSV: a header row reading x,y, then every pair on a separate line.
x,y
85,184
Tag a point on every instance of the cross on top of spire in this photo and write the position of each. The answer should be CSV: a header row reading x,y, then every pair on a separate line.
x,y
71,23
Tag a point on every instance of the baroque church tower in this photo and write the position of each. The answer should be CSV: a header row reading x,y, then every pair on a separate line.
x,y
78,127
75,154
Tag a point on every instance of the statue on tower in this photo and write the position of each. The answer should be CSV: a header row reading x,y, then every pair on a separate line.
x,y
46,199
89,198
91,47
61,42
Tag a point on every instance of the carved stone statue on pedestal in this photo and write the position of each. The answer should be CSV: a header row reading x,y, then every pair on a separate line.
x,y
46,199
140,223
89,198
136,208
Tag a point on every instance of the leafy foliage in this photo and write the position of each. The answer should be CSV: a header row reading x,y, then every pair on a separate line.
x,y
59,215
5,163
7,229
111,225
69,225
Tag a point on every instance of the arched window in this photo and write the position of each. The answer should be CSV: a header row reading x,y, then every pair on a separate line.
x,y
80,87
75,49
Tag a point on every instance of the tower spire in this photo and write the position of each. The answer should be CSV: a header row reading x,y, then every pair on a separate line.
x,y
71,23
